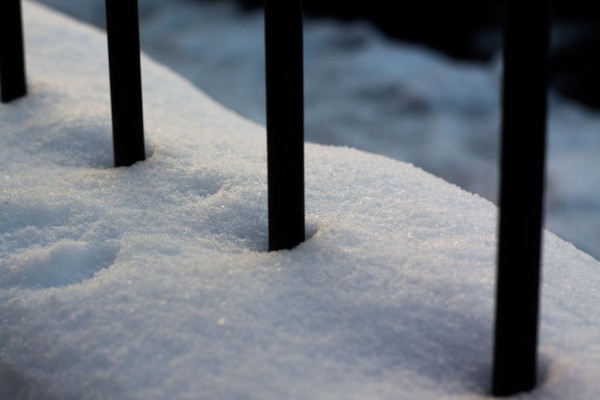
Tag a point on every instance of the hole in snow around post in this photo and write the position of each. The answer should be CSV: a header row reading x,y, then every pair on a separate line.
x,y
310,231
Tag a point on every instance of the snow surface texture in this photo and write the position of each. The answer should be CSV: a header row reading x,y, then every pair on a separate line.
x,y
377,95
152,282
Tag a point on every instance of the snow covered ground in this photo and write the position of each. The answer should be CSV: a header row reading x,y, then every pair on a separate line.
x,y
152,282
380,96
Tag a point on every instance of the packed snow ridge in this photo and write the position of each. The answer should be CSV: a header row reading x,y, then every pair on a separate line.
x,y
153,281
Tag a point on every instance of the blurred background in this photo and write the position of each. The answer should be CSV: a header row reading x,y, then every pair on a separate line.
x,y
471,30
464,30
417,81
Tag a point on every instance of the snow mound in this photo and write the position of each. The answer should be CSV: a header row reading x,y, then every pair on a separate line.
x,y
153,282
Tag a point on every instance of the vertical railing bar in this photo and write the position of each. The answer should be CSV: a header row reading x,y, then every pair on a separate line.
x,y
526,42
285,122
12,54
122,25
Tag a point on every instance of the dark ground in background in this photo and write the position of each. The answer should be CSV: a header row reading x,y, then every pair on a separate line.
x,y
471,30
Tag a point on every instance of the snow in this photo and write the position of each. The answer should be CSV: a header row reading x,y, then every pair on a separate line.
x,y
153,281
381,96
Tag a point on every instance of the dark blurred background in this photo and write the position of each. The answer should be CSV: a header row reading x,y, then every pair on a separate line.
x,y
471,30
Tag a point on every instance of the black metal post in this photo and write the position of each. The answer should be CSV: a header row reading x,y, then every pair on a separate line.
x,y
526,41
285,122
122,25
12,54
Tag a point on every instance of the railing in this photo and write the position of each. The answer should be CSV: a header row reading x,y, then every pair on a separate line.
x,y
522,165
12,55
526,39
285,122
123,33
